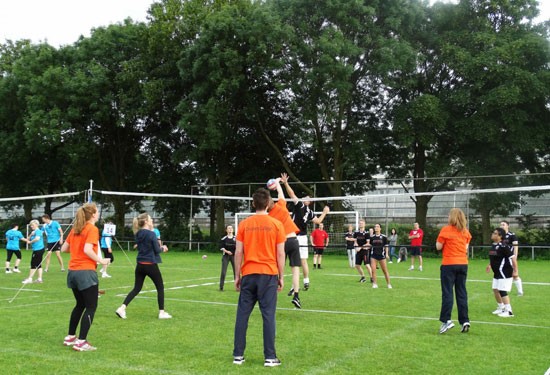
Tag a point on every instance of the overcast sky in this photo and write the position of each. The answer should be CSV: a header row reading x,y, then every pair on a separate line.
x,y
61,22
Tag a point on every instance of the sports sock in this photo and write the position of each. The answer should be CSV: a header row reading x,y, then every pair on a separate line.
x,y
306,280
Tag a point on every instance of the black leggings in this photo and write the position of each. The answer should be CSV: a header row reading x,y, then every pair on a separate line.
x,y
153,271
84,311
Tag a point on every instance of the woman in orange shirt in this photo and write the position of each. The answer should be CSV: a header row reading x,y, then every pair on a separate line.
x,y
453,241
82,243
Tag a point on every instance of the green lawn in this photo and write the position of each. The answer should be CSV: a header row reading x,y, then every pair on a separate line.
x,y
344,327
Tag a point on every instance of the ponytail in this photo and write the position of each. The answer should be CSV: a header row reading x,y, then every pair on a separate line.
x,y
83,214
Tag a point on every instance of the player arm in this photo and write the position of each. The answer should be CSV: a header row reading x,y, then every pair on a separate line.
x,y
239,250
65,247
326,243
60,235
319,220
439,246
290,192
281,264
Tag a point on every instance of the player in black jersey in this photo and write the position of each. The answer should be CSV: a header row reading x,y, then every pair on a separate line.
x,y
362,246
512,240
227,247
302,215
500,258
379,253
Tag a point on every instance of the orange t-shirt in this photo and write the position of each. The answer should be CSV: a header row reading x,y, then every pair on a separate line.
x,y
454,245
280,212
260,235
79,260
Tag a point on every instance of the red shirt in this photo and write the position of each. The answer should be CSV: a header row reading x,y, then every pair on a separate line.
x,y
318,237
416,241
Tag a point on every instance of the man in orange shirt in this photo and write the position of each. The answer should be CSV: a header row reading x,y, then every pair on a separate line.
x,y
259,270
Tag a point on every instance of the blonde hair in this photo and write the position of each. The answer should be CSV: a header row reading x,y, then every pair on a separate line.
x,y
83,214
457,219
35,222
140,222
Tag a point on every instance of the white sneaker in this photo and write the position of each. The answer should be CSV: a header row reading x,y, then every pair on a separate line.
x,y
506,314
390,262
121,312
420,268
399,260
8,271
389,286
164,315
374,286
16,270
38,281
105,275
411,268
27,281
498,311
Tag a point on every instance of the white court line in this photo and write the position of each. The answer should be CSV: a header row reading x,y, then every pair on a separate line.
x,y
336,312
23,290
488,281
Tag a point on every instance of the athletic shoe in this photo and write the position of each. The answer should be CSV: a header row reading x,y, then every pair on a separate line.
x,y
306,286
420,268
27,281
389,286
45,270
498,311
319,267
362,280
105,275
465,327
375,286
69,340
506,314
290,292
8,271
411,268
390,262
446,326
121,312
83,346
399,260
38,281
238,360
164,315
16,270
296,302
272,362
63,270
519,294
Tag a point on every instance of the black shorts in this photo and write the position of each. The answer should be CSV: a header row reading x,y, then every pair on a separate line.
x,y
378,256
415,251
17,254
107,254
36,259
54,246
362,257
292,251
318,250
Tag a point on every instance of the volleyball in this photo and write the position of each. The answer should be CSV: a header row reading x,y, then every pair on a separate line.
x,y
272,184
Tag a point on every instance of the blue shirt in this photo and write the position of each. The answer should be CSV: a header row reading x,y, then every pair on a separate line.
x,y
13,237
157,233
38,245
52,231
106,240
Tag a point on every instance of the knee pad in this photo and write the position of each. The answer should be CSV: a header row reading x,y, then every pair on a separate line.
x,y
503,293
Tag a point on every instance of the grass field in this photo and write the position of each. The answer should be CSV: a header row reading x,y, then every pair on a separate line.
x,y
344,327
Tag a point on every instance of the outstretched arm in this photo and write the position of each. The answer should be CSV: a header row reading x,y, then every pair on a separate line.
x,y
319,220
291,194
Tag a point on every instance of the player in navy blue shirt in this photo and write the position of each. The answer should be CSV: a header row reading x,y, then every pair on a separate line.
x,y
379,253
500,258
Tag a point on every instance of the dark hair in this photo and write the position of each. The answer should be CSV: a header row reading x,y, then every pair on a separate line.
x,y
501,232
393,230
505,221
46,216
260,199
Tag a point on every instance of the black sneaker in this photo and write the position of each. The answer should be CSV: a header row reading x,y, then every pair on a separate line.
x,y
296,302
362,280
465,327
238,360
290,292
319,267
272,362
306,286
